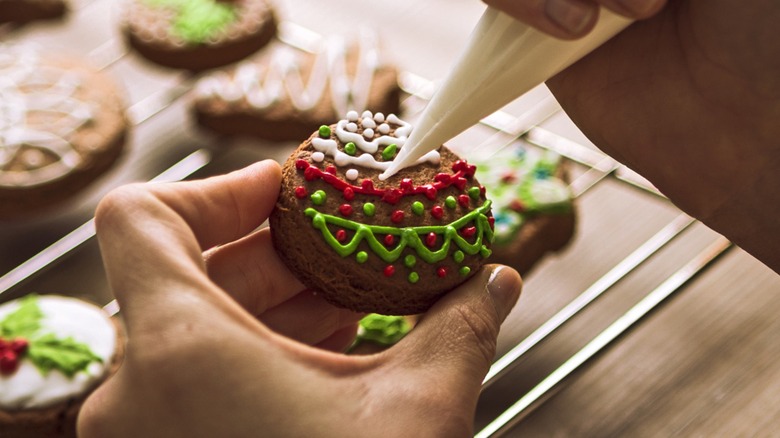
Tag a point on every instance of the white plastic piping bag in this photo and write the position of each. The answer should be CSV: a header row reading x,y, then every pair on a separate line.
x,y
504,59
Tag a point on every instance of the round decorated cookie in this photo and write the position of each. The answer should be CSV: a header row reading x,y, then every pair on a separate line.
x,y
285,93
532,204
62,125
198,34
23,11
391,247
54,351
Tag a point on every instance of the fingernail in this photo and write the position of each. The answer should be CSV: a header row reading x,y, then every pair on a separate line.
x,y
504,287
573,16
638,7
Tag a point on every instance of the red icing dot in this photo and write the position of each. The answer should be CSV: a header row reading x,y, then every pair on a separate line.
x,y
345,209
301,164
459,165
341,235
482,190
469,231
389,270
9,362
460,183
349,194
492,221
331,169
300,192
367,184
406,185
397,216
430,239
311,173
19,346
470,170
431,192
437,211
389,240
464,200
441,272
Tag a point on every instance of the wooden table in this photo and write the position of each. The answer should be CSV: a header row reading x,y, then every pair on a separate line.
x,y
649,324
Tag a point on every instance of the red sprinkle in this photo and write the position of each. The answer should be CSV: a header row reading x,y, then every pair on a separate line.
x,y
331,169
345,209
389,240
367,185
464,200
397,217
431,192
19,346
437,212
300,192
441,272
349,194
469,231
389,271
301,164
430,239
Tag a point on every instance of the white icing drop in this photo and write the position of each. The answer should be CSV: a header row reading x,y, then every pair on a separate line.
x,y
368,133
369,147
352,116
261,86
368,123
384,129
27,86
352,127
379,117
318,156
352,174
27,388
367,114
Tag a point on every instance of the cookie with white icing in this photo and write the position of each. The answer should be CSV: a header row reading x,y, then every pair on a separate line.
x,y
286,93
62,125
23,11
54,351
532,205
390,247
198,35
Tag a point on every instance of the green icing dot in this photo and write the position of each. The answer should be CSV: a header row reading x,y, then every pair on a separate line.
x,y
458,256
318,197
414,277
464,270
389,152
349,148
325,131
474,193
361,257
418,208
450,202
369,209
197,21
485,252
410,261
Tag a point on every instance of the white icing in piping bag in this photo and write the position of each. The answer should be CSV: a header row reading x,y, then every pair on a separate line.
x,y
504,59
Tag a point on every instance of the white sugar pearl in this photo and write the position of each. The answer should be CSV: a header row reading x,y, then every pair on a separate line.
x,y
352,116
367,114
352,127
384,128
379,117
368,123
352,174
368,134
318,156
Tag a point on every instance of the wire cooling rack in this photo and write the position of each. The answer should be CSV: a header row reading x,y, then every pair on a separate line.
x,y
503,129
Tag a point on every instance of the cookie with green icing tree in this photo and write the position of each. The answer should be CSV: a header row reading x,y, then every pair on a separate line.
x,y
390,247
198,34
54,351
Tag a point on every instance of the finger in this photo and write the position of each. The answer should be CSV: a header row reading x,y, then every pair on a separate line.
x,y
250,270
308,318
566,19
636,9
341,340
456,338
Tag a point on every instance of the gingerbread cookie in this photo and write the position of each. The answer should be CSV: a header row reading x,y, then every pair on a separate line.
x,y
532,205
23,11
198,35
54,351
391,247
62,125
286,93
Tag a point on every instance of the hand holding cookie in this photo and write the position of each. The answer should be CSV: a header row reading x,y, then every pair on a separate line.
x,y
201,362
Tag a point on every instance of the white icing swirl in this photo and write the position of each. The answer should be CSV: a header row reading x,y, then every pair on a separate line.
x,y
28,86
27,388
263,85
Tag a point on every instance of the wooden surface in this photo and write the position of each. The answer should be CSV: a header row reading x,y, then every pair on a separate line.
x,y
705,363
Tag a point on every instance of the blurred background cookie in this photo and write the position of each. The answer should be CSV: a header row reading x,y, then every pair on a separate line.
x,y
198,34
286,93
23,11
62,125
54,351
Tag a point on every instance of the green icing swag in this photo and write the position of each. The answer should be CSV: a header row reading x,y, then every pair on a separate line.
x,y
197,21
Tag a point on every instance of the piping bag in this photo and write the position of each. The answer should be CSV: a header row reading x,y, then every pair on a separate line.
x,y
504,59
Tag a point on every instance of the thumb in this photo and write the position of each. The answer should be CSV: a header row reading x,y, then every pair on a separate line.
x,y
456,339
